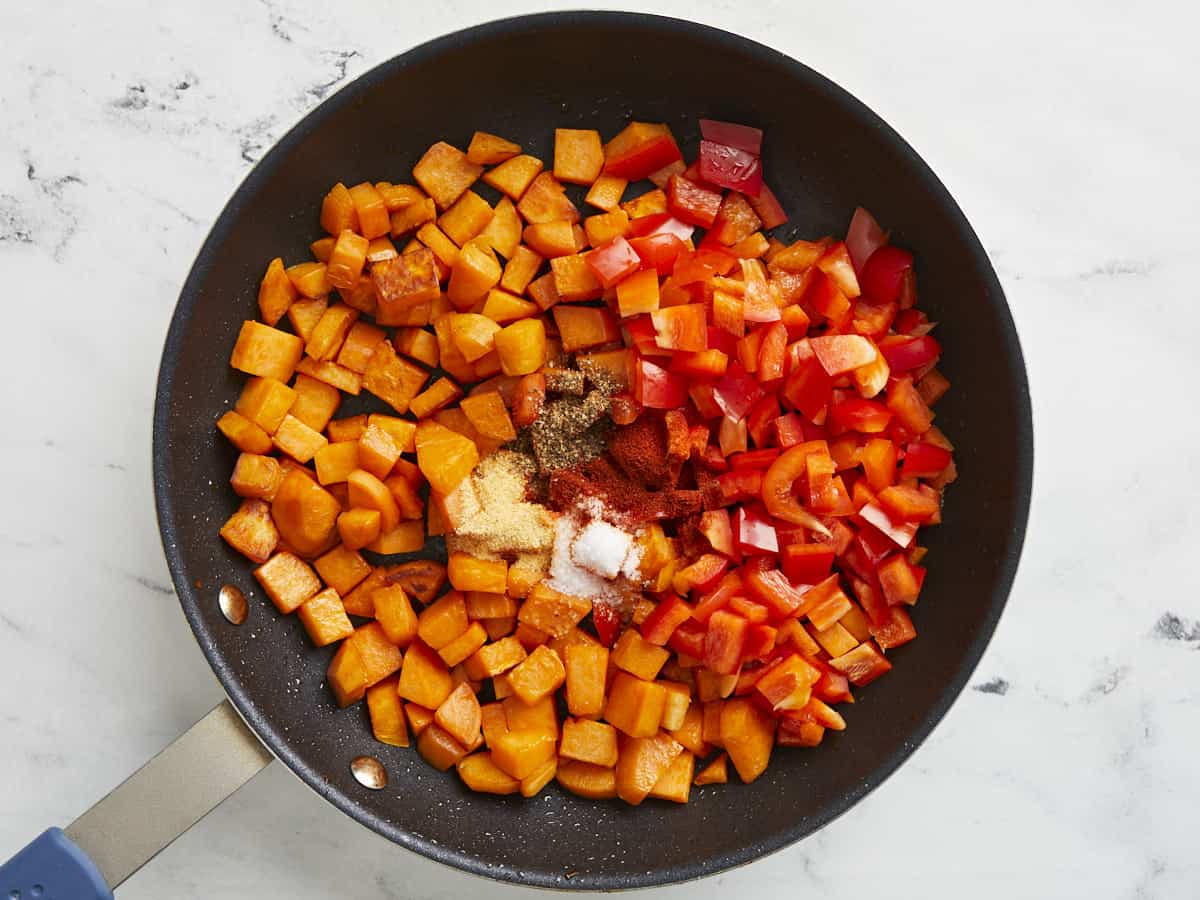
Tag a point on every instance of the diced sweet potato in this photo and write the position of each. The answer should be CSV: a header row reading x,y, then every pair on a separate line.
x,y
305,313
332,374
473,334
266,351
387,714
586,671
551,239
578,155
418,343
243,433
315,403
473,273
675,784
495,659
466,218
605,192
335,462
444,620
251,531
398,196
603,228
358,527
342,569
747,734
439,749
377,451
256,476
552,612
503,307
514,176
691,732
407,280
265,401
406,537
359,346
424,678
679,701
538,675
635,706
444,172
345,262
394,613
288,580
411,217
468,573
337,210
520,752
588,741
346,676
584,327
522,266
445,457
533,783
297,440
489,149
587,780
459,715
546,200
379,656
642,762
489,416
371,210
634,654
408,501
522,347
421,579
464,646
419,717
275,293
392,379
310,279
306,514
482,775
445,251
503,230
439,394
324,618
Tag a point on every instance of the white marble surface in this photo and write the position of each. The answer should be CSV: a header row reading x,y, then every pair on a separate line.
x,y
1066,130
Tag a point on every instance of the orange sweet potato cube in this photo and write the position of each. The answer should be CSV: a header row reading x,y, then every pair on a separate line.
x,y
381,248
445,457
748,735
635,706
503,307
315,402
638,293
377,451
443,621
407,280
297,440
648,204
358,527
337,211
256,476
466,218
464,646
675,784
324,618
474,272
589,741
346,676
243,433
716,772
342,569
487,605
335,462
379,656
251,531
522,266
495,659
488,149
574,279
344,264
583,327
413,216
332,374
634,654
642,762
408,501
438,748
679,701
359,346
499,628
405,537
444,250
444,172
265,401
387,714
358,602
522,347
551,239
545,200
532,784
578,155
305,313
482,775
587,670
395,614
460,716
603,228
520,753
266,351
419,717
306,514
587,780
424,678
552,612
605,192
325,340
439,394
503,232
398,196
514,176
288,580
473,334
537,676
322,249
420,578
418,343
310,279
371,210
691,732
275,293
467,573
392,379
489,416
523,574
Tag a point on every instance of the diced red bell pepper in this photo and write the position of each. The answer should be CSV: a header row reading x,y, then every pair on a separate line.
x,y
900,580
735,221
758,420
842,353
718,597
658,251
607,622
612,261
736,392
884,272
789,684
878,458
874,543
729,167
862,665
772,588
909,503
702,399
870,598
703,573
772,353
747,350
639,149
691,203
789,430
924,460
740,484
723,642
681,328
715,525
819,593
855,561
752,612
755,459
904,400
704,365
856,414
836,263
625,409
656,388
688,639
826,613
797,733
863,237
768,208
669,614
807,563
701,265
873,319
732,435
722,340
832,687
896,630
760,641
743,137
826,299
753,532
903,354
760,302
808,389
894,527
641,335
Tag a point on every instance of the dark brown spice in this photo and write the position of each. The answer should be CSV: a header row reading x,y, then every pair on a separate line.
x,y
640,450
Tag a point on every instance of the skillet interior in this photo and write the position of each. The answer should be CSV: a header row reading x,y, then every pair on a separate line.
x,y
825,153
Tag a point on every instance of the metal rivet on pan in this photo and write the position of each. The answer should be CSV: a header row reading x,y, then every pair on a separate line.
x,y
369,772
233,604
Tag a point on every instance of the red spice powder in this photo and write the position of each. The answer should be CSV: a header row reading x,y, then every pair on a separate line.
x,y
600,478
640,449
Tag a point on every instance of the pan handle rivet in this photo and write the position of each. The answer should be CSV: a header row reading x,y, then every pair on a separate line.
x,y
233,604
369,772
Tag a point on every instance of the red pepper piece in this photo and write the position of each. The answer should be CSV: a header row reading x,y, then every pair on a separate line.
x,y
613,261
753,532
729,167
658,251
691,203
723,642
669,614
640,149
656,388
768,208
883,274
903,354
924,460
807,563
607,622
743,137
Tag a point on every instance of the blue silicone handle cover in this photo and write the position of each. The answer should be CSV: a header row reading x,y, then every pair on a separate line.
x,y
52,867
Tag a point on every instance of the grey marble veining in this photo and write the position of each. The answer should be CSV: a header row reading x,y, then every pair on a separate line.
x,y
1066,130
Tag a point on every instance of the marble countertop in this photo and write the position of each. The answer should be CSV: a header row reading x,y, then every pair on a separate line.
x,y
1065,130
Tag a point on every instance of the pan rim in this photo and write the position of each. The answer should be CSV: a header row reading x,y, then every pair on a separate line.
x,y
270,734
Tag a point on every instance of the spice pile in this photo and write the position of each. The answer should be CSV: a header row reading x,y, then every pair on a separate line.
x,y
680,476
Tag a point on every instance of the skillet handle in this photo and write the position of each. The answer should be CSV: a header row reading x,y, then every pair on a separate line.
x,y
145,813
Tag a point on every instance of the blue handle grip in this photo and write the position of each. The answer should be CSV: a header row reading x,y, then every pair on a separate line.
x,y
52,867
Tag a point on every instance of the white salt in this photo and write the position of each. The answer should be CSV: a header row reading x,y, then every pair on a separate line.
x,y
601,548
565,575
